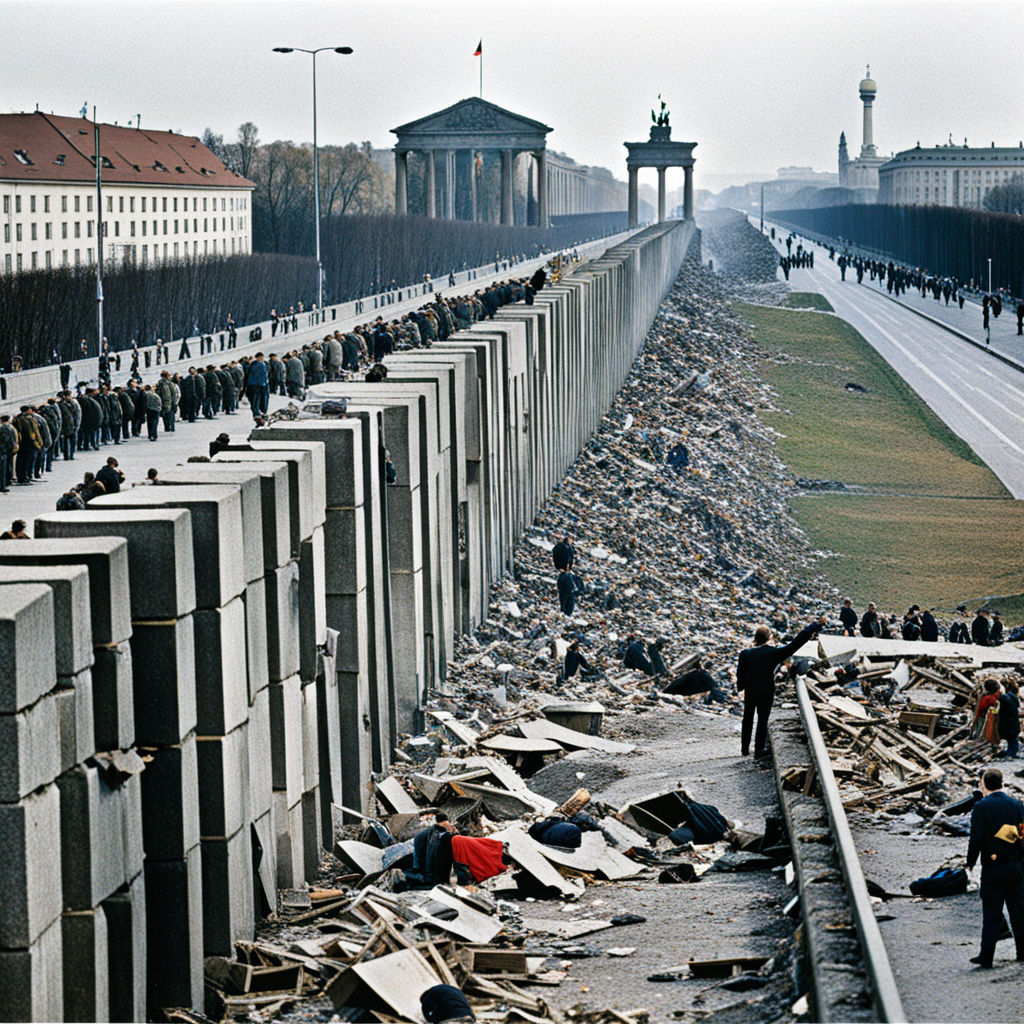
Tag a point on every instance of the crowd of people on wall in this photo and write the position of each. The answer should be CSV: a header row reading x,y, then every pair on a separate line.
x,y
99,413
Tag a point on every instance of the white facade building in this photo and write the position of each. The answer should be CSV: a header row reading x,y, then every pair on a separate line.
x,y
947,175
165,196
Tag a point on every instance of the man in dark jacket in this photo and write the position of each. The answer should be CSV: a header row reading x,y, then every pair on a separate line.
x,y
1002,875
635,655
138,397
564,554
958,633
869,621
929,627
189,395
127,411
848,617
566,592
995,636
110,476
211,401
755,677
979,628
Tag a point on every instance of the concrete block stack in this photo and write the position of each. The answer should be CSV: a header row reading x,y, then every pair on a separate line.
x,y
100,846
292,642
211,642
161,603
31,931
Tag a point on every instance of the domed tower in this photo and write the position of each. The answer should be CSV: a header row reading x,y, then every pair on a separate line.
x,y
868,90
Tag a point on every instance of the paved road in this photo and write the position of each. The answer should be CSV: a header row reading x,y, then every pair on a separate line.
x,y
979,397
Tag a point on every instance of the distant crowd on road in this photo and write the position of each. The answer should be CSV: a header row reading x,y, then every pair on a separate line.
x,y
99,413
986,629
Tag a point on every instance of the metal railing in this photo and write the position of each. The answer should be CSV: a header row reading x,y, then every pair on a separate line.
x,y
885,995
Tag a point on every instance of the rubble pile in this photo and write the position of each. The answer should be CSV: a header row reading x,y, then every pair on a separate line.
x,y
901,733
677,510
743,256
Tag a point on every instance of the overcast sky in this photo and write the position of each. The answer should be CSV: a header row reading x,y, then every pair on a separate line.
x,y
757,85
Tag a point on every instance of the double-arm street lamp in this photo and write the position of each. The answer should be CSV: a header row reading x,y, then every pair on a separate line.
x,y
316,162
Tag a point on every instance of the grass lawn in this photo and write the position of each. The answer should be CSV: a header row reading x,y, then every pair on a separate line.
x,y
807,300
933,525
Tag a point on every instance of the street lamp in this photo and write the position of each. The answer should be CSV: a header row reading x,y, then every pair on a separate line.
x,y
316,162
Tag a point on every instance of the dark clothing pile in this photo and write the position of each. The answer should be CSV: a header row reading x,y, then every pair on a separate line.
x,y
689,683
557,832
445,1003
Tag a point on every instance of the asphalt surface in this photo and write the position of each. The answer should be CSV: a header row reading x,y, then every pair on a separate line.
x,y
978,396
721,915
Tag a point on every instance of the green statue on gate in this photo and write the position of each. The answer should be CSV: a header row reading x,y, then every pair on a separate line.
x,y
661,118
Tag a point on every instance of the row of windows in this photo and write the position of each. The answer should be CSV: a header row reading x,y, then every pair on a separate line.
x,y
48,228
129,255
225,203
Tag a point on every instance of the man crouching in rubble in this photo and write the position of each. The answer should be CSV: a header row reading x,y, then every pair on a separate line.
x,y
755,677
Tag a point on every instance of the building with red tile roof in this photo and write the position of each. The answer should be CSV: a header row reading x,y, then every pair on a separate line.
x,y
165,196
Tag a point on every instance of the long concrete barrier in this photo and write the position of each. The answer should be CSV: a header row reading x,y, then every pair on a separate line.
x,y
193,674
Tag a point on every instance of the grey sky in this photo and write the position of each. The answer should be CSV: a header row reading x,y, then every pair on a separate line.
x,y
757,85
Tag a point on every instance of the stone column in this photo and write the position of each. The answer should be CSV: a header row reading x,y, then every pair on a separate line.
x,y
472,183
634,206
431,185
542,188
401,192
661,193
449,183
506,186
688,193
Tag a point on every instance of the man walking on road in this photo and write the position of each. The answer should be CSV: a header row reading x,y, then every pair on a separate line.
x,y
755,676
994,839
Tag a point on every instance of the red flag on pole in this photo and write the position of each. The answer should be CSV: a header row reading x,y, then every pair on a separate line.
x,y
479,52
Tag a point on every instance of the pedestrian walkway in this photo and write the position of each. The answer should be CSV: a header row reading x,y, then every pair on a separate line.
x,y
1004,342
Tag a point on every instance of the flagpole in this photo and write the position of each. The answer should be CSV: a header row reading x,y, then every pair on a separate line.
x,y
481,74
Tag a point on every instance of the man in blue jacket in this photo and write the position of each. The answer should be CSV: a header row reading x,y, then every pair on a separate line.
x,y
1002,874
755,676
258,387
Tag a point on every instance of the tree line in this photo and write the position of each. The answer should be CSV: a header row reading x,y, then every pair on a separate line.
x,y
945,240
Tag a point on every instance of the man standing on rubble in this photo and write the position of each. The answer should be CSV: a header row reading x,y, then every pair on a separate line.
x,y
755,677
564,555
848,617
979,628
566,592
1002,874
869,622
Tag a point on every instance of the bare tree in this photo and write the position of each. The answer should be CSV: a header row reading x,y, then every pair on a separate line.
x,y
246,148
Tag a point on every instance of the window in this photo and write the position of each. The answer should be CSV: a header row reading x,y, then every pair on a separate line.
x,y
117,228
223,204
88,255
223,223
205,225
165,227
175,250
195,223
31,204
19,261
78,257
175,201
35,234
64,258
143,204
131,204
78,229
143,229
154,227
35,261
165,250
88,228
23,157
88,204
48,229
46,204
17,204
175,227
165,204
49,259
17,232
232,223
7,233
110,204
78,204
133,229
64,207
145,250
7,204
7,263
64,229
204,205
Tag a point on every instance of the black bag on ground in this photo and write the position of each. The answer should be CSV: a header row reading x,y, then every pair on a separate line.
x,y
705,822
945,882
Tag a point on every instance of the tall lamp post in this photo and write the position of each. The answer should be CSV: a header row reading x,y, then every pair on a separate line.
x,y
316,162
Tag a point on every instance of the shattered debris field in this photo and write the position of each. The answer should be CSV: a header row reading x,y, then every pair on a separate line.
x,y
918,516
